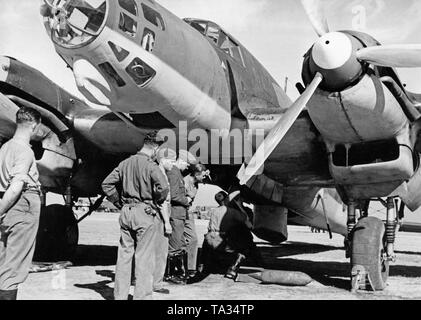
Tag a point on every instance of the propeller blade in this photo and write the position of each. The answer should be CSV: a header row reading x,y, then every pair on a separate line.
x,y
397,56
316,15
278,132
46,9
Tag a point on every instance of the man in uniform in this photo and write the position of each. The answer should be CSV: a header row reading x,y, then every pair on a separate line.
x,y
20,204
166,159
229,232
143,189
197,174
177,255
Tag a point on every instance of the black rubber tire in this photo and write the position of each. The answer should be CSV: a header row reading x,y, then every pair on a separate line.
x,y
367,248
58,234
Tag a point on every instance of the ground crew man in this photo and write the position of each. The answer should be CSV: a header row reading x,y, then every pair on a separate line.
x,y
166,159
229,233
177,255
20,204
197,174
143,189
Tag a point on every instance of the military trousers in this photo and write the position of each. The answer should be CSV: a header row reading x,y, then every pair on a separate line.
x,y
137,241
191,242
177,242
161,253
18,231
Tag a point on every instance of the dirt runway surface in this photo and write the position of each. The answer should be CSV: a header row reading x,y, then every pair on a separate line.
x,y
91,276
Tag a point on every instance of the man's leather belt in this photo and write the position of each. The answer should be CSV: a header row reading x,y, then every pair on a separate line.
x,y
133,202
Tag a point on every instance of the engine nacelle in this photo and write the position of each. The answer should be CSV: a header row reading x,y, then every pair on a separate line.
x,y
365,112
373,169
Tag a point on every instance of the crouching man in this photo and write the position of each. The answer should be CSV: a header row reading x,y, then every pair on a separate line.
x,y
229,232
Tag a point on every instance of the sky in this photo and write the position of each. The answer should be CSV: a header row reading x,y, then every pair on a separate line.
x,y
276,32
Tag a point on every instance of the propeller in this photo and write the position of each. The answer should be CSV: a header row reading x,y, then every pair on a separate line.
x,y
278,132
316,14
337,59
397,56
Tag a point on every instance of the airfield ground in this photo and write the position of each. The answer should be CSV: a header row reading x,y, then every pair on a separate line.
x,y
91,277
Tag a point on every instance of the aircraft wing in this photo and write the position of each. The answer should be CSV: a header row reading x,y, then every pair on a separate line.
x,y
300,158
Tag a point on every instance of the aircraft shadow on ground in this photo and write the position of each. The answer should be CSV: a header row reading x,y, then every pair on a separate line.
x,y
295,248
328,273
95,255
100,255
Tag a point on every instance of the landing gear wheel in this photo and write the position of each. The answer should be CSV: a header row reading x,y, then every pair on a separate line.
x,y
58,234
368,254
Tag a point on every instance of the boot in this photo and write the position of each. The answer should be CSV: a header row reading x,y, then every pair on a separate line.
x,y
177,270
185,267
232,272
169,269
179,265
8,294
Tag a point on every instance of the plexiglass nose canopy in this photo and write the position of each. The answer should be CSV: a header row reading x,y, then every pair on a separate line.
x,y
73,23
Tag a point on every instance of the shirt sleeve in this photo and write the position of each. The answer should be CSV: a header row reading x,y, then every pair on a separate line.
x,y
21,166
109,185
178,191
160,185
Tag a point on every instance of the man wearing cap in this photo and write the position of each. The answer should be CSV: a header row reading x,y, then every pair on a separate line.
x,y
166,159
143,189
177,264
20,204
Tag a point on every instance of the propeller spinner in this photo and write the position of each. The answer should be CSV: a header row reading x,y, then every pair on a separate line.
x,y
334,57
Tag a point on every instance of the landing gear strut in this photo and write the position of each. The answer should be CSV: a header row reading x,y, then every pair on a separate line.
x,y
391,223
351,222
371,248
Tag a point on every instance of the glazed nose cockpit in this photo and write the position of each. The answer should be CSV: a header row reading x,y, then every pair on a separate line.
x,y
73,23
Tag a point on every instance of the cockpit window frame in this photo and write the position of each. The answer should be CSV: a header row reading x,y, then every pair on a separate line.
x,y
122,15
229,50
123,12
148,9
93,35
136,9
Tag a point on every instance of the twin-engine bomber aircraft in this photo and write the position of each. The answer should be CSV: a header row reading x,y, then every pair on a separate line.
x,y
356,142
